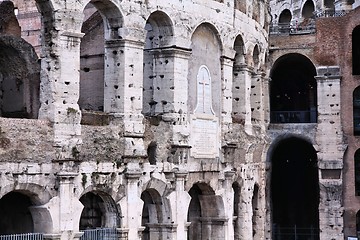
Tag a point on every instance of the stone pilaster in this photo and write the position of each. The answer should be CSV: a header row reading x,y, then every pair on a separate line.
x,y
241,90
180,200
131,206
123,91
228,197
70,207
257,100
60,82
331,147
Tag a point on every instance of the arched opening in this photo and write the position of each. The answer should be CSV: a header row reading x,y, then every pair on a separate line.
x,y
19,69
256,56
356,111
294,190
356,51
156,216
236,211
15,214
92,61
151,152
157,65
293,94
100,211
239,86
19,79
240,5
255,210
308,9
101,60
285,17
206,214
357,172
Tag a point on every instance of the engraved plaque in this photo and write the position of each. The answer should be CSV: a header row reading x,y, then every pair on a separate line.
x,y
204,135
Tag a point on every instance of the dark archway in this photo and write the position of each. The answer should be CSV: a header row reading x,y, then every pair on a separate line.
x,y
15,214
285,17
356,51
308,9
293,96
356,111
295,190
357,172
99,211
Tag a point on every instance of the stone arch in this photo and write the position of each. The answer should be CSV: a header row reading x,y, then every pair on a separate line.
x,y
159,30
112,17
158,58
355,37
206,213
24,204
294,184
206,51
99,59
239,84
20,78
308,9
39,195
156,213
256,56
100,210
293,94
285,16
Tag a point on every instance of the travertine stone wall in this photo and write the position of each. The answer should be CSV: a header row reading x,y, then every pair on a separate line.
x,y
184,123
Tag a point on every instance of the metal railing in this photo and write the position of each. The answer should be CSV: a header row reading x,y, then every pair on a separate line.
x,y
100,234
330,13
295,233
292,28
293,116
24,236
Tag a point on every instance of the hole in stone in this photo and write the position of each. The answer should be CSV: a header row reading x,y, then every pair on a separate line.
x,y
115,52
118,64
116,86
67,83
64,102
86,69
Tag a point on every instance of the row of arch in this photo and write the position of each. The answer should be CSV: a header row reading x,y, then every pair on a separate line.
x,y
293,199
206,210
101,24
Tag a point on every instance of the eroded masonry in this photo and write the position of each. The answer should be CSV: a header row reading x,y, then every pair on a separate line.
x,y
215,119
